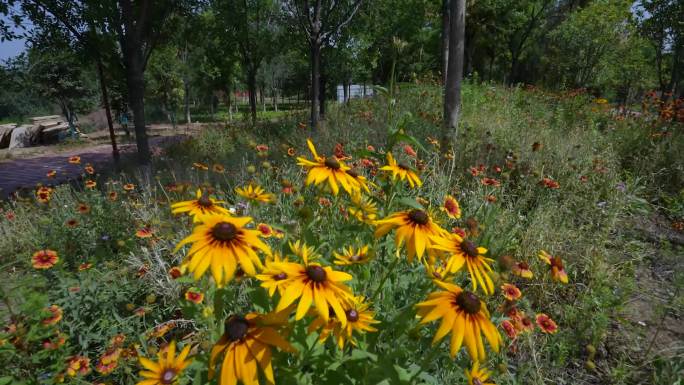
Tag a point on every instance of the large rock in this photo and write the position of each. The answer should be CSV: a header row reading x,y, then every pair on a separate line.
x,y
6,134
39,119
21,137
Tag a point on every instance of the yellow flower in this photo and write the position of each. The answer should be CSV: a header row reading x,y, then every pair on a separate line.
x,y
314,285
350,256
363,208
556,266
358,319
413,226
330,169
439,272
246,345
462,314
166,370
465,253
255,194
221,242
401,171
200,206
273,277
477,376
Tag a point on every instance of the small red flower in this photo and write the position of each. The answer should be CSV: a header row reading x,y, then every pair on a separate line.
x,y
129,187
84,266
55,315
175,272
408,150
550,183
44,259
89,169
546,324
51,174
511,292
458,231
509,329
584,178
490,182
451,207
75,159
266,230
145,232
91,184
194,296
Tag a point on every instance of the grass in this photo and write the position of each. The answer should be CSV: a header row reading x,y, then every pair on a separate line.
x,y
611,173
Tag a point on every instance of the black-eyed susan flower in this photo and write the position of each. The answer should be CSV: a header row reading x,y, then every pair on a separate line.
x,y
439,271
353,256
546,324
359,320
466,253
255,194
451,207
363,208
511,292
74,159
464,315
55,315
401,171
44,259
246,348
201,205
477,375
556,266
194,295
329,169
167,369
221,242
313,285
273,277
415,227
522,269
360,180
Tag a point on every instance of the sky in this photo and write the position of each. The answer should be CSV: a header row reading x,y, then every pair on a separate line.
x,y
11,48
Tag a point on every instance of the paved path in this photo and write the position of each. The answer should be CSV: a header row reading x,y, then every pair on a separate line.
x,y
27,173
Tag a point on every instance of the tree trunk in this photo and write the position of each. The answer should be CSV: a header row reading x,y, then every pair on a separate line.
x,y
321,95
315,81
136,97
186,85
345,92
251,84
452,99
108,111
445,40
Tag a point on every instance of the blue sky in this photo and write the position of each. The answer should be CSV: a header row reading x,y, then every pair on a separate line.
x,y
9,49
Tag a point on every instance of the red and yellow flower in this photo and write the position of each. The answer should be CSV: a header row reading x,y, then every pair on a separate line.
x,y
44,259
556,266
546,324
511,292
194,295
451,207
55,315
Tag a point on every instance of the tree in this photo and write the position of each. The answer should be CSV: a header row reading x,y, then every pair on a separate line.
x,y
452,88
320,24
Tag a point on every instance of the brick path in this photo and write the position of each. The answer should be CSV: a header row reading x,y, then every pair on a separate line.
x,y
27,173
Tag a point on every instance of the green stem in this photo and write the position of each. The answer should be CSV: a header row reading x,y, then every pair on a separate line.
x,y
389,271
426,362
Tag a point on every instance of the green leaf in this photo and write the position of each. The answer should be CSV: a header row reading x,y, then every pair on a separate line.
x,y
358,354
6,380
410,202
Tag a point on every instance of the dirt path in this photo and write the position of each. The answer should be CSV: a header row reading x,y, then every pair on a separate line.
x,y
29,172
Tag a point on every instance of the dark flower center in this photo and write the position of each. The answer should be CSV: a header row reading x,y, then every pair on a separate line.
x,y
436,275
353,174
468,302
168,376
355,258
316,273
556,262
523,265
236,328
224,231
469,248
352,315
204,201
332,163
419,216
280,276
477,381
403,166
